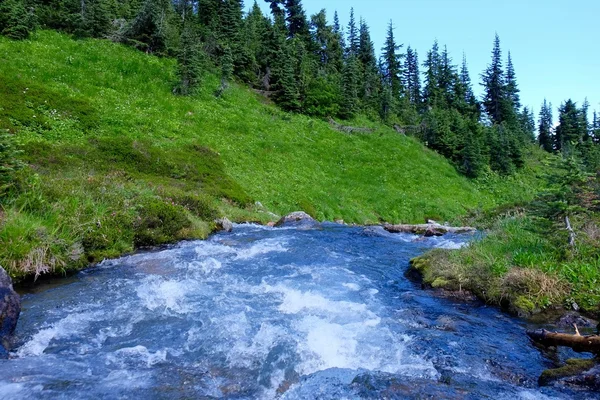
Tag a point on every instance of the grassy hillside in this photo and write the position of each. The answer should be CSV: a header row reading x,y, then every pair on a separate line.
x,y
117,161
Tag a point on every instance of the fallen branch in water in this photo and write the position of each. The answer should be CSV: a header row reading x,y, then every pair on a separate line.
x,y
581,344
429,229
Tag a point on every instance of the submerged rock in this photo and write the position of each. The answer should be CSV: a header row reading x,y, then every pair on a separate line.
x,y
574,318
296,217
224,224
573,372
431,228
10,308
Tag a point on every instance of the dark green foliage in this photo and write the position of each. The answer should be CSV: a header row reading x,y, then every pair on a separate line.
x,y
392,64
546,127
495,99
17,19
350,87
412,78
296,20
353,44
152,28
512,89
570,130
189,62
159,222
527,124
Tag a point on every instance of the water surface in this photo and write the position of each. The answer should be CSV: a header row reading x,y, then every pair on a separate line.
x,y
290,313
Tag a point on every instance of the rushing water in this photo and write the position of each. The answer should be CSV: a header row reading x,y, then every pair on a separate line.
x,y
285,313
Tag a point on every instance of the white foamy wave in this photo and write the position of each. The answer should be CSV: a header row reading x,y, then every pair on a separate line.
x,y
207,266
450,245
295,301
137,355
204,249
158,293
127,379
260,248
352,286
72,325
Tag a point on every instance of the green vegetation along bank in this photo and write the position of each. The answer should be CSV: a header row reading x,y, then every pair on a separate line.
x,y
113,160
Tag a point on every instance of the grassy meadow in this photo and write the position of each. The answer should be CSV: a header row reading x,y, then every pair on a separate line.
x,y
115,161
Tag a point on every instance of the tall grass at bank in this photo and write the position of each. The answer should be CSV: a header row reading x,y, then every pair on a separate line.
x,y
523,266
117,161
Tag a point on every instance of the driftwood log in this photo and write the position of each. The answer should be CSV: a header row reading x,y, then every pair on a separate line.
x,y
349,129
429,229
580,344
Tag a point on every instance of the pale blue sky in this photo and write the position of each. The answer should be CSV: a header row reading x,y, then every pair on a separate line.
x,y
555,44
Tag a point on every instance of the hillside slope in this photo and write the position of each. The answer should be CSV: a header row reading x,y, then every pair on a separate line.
x,y
117,161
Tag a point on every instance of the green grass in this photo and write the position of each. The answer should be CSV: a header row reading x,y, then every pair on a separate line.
x,y
117,161
523,264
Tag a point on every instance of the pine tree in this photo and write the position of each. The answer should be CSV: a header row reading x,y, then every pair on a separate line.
x,y
16,21
527,124
369,89
353,36
596,128
391,63
288,96
569,132
447,79
412,77
545,128
152,30
350,87
432,73
494,83
512,89
189,61
296,20
465,92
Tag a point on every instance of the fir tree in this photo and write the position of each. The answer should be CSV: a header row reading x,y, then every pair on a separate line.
x,y
189,61
545,128
527,124
432,73
152,30
16,21
350,87
465,91
494,83
353,35
296,19
412,77
369,91
391,64
569,132
512,89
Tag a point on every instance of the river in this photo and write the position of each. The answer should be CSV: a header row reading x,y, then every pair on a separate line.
x,y
260,313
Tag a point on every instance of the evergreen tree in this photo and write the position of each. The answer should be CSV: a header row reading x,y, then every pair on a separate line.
x,y
569,132
432,73
350,87
152,29
512,89
288,96
527,124
545,128
353,36
16,21
296,20
412,77
464,91
369,89
276,10
189,61
596,128
391,64
447,79
494,84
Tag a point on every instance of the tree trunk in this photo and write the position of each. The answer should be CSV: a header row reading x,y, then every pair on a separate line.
x,y
581,344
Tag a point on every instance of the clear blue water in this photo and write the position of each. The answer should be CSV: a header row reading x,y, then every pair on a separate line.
x,y
290,313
